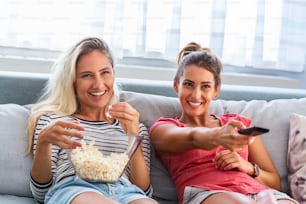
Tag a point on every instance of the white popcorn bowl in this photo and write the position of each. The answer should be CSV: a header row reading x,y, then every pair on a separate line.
x,y
104,160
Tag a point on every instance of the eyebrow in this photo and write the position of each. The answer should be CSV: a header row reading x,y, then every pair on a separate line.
x,y
203,82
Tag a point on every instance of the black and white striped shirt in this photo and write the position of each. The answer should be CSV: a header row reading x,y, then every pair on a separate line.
x,y
102,133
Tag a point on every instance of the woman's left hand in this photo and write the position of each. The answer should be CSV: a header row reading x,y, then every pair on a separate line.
x,y
127,116
229,160
129,120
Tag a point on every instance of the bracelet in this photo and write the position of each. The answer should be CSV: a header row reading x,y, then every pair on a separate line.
x,y
256,170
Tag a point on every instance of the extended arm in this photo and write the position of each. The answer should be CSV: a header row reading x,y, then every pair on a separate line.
x,y
169,137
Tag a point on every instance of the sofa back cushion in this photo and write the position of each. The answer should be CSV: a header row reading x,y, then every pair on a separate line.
x,y
15,166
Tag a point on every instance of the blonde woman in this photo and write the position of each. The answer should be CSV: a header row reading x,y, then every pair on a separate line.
x,y
76,98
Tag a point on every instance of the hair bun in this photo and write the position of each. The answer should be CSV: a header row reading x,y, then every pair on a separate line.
x,y
190,47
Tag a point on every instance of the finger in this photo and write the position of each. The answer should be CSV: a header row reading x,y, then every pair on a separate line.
x,y
220,154
71,124
68,128
219,159
123,110
236,124
123,116
67,143
229,163
73,133
223,156
222,164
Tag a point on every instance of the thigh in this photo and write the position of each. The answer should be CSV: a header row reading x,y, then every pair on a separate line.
x,y
193,195
144,201
125,192
66,190
92,198
229,197
279,197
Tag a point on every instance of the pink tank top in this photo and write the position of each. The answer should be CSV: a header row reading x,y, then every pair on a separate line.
x,y
197,168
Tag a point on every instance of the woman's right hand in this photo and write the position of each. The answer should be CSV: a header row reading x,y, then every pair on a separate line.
x,y
229,137
58,133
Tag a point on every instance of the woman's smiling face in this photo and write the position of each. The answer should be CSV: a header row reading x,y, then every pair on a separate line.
x,y
94,81
196,89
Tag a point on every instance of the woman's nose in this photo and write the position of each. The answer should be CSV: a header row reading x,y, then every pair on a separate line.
x,y
196,93
97,82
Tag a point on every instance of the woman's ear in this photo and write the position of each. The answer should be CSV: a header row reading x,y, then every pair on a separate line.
x,y
217,91
175,86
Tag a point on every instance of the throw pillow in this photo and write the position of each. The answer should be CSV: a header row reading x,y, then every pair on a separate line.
x,y
297,157
15,166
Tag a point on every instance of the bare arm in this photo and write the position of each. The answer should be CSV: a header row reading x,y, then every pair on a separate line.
x,y
268,175
170,138
41,165
129,120
139,172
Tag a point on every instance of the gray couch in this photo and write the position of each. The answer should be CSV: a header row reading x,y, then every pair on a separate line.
x,y
268,107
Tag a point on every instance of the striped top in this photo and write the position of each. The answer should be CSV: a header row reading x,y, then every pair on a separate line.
x,y
97,131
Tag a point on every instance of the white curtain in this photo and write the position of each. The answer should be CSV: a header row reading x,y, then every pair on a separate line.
x,y
267,34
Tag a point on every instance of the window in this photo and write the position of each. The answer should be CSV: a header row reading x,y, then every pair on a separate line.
x,y
263,34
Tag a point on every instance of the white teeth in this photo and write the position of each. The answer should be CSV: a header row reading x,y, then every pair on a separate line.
x,y
195,104
98,93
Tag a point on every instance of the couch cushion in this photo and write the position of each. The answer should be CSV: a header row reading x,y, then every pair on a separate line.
x,y
10,199
297,157
15,167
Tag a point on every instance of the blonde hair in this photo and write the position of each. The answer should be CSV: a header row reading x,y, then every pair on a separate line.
x,y
59,95
194,54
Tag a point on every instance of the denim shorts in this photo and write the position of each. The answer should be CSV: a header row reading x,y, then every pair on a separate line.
x,y
194,195
66,190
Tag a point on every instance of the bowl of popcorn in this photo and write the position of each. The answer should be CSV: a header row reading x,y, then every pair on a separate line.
x,y
103,158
